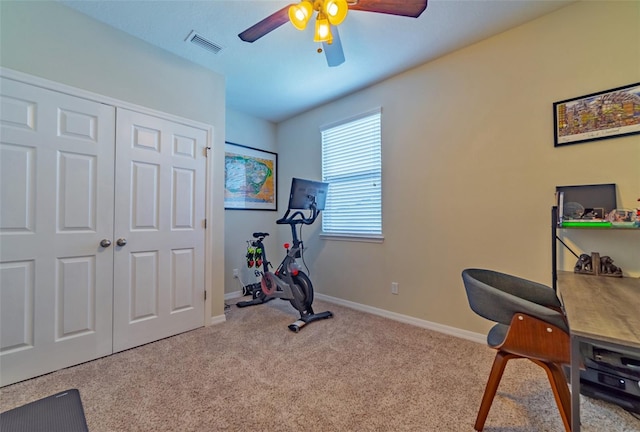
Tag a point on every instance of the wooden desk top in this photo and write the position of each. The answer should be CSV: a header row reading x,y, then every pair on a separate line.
x,y
602,308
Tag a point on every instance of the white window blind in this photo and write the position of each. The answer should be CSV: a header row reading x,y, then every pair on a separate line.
x,y
352,165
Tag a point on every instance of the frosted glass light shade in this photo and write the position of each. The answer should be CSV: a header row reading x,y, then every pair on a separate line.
x,y
323,30
336,10
300,14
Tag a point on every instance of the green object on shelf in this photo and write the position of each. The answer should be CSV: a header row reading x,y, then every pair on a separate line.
x,y
586,224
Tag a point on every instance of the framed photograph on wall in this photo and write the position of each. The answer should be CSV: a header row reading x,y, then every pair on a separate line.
x,y
250,178
607,114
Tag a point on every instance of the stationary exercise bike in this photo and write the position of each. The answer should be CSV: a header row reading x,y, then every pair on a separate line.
x,y
288,282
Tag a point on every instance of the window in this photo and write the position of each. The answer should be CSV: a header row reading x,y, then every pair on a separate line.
x,y
352,164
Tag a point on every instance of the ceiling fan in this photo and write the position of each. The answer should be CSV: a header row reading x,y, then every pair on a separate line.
x,y
330,13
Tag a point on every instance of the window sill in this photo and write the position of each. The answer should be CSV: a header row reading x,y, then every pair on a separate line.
x,y
366,238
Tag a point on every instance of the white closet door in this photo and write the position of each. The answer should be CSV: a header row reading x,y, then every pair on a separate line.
x,y
160,197
56,195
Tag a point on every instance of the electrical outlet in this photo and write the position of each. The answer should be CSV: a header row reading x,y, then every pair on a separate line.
x,y
235,273
394,287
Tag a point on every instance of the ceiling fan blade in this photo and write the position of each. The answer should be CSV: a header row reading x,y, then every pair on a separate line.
x,y
408,8
333,52
265,26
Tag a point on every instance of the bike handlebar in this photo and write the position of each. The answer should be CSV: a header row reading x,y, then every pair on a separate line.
x,y
291,220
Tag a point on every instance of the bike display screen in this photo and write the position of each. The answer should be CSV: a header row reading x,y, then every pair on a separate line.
x,y
306,192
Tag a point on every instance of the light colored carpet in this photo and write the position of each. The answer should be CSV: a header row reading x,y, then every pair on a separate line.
x,y
355,372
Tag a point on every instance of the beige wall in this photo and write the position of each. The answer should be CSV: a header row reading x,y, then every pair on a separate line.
x,y
51,41
249,131
469,166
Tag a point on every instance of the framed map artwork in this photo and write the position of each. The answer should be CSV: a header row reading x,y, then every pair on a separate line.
x,y
250,178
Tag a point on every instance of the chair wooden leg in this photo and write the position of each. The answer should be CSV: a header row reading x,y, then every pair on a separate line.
x,y
497,369
560,391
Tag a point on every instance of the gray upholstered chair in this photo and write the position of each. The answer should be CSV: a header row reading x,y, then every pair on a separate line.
x,y
530,324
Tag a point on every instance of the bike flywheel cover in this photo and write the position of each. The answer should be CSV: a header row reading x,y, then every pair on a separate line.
x,y
268,284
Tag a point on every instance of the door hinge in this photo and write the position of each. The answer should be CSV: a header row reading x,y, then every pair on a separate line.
x,y
205,295
205,224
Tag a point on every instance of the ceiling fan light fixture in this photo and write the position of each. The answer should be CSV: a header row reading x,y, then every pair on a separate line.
x,y
323,29
336,10
300,14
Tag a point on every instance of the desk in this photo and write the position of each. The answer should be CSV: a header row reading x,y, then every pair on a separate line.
x,y
603,311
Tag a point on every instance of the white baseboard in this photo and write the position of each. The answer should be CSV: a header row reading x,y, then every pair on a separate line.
x,y
448,330
218,319
451,331
232,295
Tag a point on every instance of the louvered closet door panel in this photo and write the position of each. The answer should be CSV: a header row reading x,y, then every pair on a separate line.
x,y
56,195
160,197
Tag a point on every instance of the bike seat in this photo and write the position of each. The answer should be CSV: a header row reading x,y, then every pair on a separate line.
x,y
260,234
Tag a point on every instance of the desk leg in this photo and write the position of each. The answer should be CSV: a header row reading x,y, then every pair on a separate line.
x,y
575,384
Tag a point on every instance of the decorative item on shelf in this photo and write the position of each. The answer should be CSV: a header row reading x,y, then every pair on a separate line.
x,y
584,265
607,268
623,218
596,265
585,206
572,210
637,222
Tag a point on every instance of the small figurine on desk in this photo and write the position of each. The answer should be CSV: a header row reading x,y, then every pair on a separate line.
x,y
607,268
596,265
584,265
637,222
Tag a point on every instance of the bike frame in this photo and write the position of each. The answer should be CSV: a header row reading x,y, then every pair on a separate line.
x,y
283,276
288,282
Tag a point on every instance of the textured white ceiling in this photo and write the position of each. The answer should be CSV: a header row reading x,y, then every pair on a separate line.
x,y
281,74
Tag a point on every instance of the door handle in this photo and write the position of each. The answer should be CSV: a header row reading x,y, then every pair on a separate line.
x,y
105,243
121,241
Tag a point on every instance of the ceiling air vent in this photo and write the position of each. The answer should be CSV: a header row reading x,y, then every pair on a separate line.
x,y
195,38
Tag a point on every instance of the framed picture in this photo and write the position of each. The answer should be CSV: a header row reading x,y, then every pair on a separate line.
x,y
597,116
250,178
